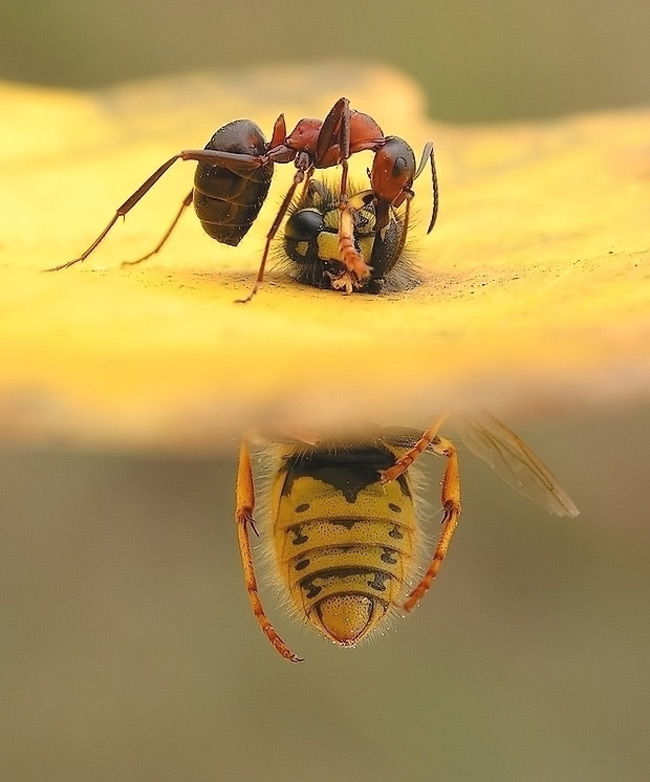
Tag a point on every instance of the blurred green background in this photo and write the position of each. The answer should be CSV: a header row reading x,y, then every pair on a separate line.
x,y
128,650
476,60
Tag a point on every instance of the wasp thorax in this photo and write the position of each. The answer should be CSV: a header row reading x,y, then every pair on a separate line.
x,y
346,619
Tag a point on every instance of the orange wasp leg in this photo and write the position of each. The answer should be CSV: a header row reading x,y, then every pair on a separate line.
x,y
244,517
336,130
356,267
450,497
402,465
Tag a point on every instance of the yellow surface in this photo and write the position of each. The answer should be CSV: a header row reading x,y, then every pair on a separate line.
x,y
537,284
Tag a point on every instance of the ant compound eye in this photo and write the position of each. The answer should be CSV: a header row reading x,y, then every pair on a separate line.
x,y
304,225
400,165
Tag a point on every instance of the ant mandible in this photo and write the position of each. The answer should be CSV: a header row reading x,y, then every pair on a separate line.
x,y
235,169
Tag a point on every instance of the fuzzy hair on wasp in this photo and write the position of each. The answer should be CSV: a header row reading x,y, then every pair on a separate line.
x,y
310,242
236,166
342,520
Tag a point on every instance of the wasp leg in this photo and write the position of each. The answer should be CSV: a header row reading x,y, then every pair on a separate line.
x,y
427,154
426,441
336,130
450,496
355,266
235,162
244,516
186,202
343,282
350,256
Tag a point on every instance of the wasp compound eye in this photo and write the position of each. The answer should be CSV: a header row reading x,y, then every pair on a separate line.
x,y
304,225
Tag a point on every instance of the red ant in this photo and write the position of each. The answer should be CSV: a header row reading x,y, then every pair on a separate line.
x,y
235,169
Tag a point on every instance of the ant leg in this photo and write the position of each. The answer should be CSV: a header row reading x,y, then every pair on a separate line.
x,y
121,211
450,496
244,517
405,226
427,154
230,160
297,179
186,202
303,193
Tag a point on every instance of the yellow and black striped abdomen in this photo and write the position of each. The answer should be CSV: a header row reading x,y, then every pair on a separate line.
x,y
344,543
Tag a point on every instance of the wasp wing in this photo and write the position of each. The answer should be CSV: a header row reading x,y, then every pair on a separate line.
x,y
514,462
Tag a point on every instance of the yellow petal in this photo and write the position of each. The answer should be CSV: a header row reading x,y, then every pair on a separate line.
x,y
536,276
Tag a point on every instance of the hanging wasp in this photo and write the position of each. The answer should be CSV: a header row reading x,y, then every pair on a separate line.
x,y
236,166
343,520
311,242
